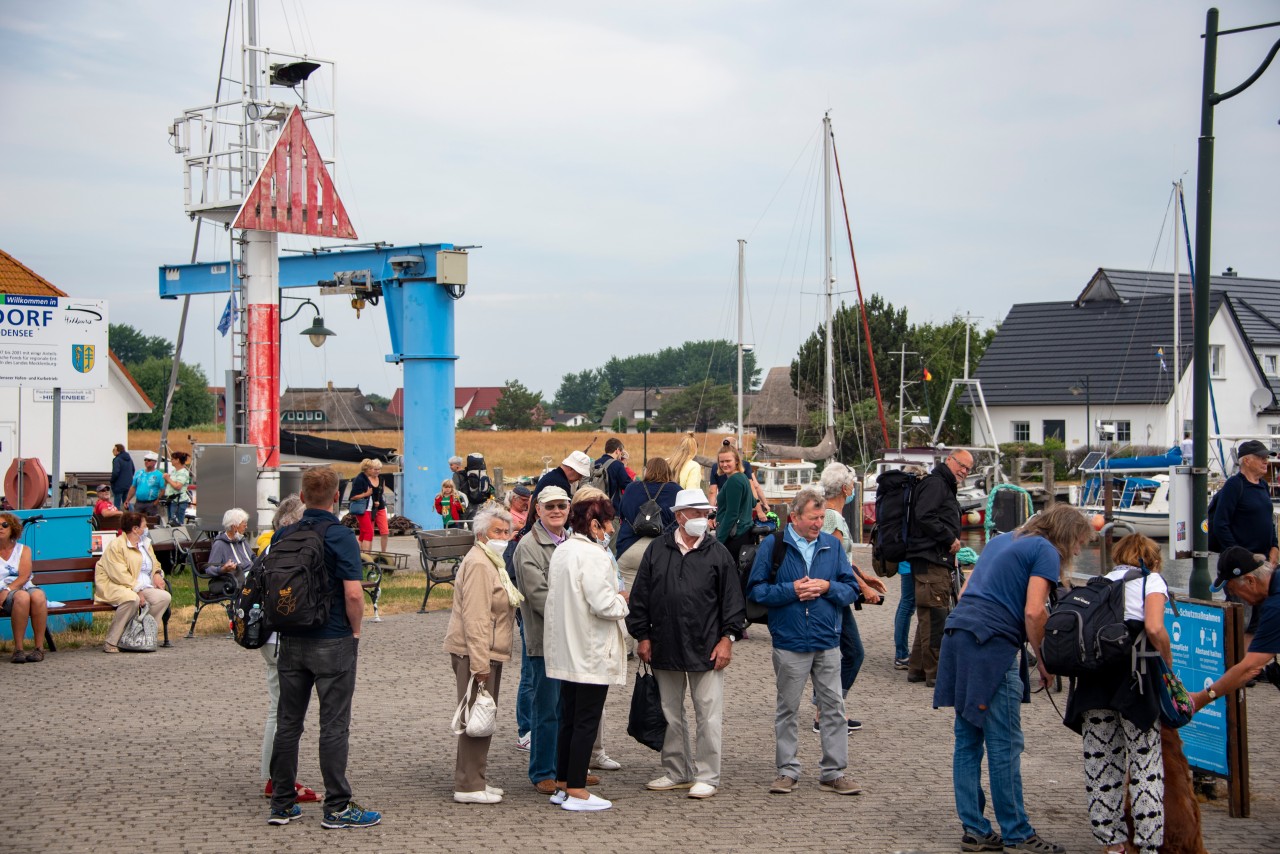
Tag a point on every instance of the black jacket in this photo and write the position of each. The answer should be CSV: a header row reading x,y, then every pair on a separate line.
x,y
684,604
935,518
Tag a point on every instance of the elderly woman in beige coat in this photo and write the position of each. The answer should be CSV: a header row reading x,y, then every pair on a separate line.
x,y
583,640
128,576
478,640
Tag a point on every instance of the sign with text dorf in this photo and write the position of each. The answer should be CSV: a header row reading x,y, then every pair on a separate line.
x,y
1198,638
53,342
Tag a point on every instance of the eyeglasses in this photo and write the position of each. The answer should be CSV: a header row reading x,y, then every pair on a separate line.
x,y
964,468
556,505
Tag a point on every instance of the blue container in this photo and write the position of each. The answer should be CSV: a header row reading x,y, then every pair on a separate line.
x,y
64,532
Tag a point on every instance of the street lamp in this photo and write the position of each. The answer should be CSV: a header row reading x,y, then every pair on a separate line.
x,y
317,331
1199,582
657,395
1082,387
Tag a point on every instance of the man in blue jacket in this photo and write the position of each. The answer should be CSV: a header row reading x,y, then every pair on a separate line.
x,y
806,597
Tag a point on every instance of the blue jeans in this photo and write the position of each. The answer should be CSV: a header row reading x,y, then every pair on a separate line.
x,y
902,619
524,694
328,664
544,724
178,513
1002,737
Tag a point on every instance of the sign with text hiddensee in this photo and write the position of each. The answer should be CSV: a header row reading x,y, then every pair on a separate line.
x,y
53,342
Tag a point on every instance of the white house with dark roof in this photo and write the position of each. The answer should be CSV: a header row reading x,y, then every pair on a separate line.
x,y
1107,356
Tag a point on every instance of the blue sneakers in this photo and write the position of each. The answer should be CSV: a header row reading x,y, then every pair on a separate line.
x,y
353,816
285,816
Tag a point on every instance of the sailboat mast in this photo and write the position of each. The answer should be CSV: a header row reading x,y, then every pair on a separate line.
x,y
826,255
741,294
1177,326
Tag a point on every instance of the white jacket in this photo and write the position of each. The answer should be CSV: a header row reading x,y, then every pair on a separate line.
x,y
582,630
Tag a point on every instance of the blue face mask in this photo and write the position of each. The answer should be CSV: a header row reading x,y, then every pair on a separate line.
x,y
848,499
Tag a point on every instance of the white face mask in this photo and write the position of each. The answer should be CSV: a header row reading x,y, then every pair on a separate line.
x,y
498,546
695,527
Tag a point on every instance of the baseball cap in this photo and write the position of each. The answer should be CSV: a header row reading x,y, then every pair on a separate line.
x,y
153,456
552,493
1252,448
579,462
1235,562
691,499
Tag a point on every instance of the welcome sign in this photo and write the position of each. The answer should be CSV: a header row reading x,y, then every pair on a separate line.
x,y
53,342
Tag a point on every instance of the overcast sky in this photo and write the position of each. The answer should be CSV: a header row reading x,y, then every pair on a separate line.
x,y
608,156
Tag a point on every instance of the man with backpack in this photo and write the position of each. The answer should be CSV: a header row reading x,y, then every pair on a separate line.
x,y
608,474
806,590
932,543
687,612
322,653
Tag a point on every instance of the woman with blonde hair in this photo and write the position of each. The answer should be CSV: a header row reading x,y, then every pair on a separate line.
x,y
1119,720
685,470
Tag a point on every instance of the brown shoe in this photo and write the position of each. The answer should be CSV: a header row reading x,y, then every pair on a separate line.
x,y
35,655
19,657
783,785
593,779
545,787
841,785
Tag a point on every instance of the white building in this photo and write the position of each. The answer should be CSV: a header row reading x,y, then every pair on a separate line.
x,y
1108,357
93,420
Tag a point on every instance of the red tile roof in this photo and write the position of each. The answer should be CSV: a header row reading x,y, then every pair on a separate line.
x,y
18,278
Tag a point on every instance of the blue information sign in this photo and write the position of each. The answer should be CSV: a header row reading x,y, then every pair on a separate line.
x,y
1199,644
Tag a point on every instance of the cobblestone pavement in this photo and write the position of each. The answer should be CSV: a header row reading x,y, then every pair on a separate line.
x,y
160,753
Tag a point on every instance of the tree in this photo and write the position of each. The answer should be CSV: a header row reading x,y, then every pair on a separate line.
x,y
134,348
619,424
470,423
698,407
192,402
379,402
578,392
518,408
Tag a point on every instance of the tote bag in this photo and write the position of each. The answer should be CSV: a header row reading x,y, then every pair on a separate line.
x,y
647,724
139,633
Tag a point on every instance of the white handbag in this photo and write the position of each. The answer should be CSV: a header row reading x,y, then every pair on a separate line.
x,y
139,633
477,713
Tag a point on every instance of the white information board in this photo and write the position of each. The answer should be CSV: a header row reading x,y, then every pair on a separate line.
x,y
53,342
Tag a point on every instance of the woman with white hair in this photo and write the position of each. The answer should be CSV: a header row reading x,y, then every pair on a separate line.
x,y
479,640
230,554
837,485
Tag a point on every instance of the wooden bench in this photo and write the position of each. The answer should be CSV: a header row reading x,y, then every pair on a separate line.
x,y
75,570
440,553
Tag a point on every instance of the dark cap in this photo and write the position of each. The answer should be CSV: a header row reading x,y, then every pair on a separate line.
x,y
522,490
1252,448
1235,562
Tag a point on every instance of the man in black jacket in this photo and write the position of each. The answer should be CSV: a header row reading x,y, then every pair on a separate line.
x,y
687,611
932,543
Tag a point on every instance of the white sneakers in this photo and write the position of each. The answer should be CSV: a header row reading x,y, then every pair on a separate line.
x,y
592,803
485,797
601,762
702,790
558,798
524,740
666,784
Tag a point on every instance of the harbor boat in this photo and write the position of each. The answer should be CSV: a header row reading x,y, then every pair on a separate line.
x,y
780,480
1139,490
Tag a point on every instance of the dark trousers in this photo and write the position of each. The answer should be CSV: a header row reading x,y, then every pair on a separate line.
x,y
581,706
852,653
328,664
934,592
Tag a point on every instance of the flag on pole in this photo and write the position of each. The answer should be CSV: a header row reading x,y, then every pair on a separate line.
x,y
1164,366
224,325
928,377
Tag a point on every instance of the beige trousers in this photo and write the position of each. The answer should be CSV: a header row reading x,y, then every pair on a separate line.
x,y
157,600
470,770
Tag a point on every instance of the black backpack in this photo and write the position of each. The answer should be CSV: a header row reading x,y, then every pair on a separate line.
x,y
1215,544
757,613
648,522
895,490
1086,632
297,590
478,485
251,631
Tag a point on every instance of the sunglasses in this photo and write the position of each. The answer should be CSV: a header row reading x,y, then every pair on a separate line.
x,y
4,524
556,505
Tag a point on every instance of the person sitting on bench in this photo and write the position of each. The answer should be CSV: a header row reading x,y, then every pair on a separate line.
x,y
230,554
20,599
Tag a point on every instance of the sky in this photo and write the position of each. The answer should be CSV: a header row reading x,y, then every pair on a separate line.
x,y
608,157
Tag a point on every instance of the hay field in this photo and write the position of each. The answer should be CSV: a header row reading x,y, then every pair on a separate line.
x,y
518,452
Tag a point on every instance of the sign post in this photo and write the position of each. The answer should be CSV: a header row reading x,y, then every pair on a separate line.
x,y
1207,639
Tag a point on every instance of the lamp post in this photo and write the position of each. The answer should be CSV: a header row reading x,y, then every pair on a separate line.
x,y
1082,387
657,395
317,331
1199,582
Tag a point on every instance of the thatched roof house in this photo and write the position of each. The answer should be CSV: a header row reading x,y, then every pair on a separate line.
x,y
332,409
776,413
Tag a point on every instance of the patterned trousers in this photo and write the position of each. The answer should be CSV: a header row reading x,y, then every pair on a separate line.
x,y
1113,747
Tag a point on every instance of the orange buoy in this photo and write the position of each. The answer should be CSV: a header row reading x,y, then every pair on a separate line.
x,y
1098,521
35,484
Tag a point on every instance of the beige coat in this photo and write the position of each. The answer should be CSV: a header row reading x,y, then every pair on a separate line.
x,y
583,638
482,621
117,572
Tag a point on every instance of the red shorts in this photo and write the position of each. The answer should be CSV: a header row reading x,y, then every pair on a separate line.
x,y
369,520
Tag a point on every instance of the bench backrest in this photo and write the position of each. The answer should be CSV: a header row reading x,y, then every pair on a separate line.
x,y
77,571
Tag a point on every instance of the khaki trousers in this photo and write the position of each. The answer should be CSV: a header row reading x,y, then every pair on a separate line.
x,y
471,767
157,601
680,762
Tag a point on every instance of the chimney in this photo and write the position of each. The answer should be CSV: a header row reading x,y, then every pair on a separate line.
x,y
330,385
1230,273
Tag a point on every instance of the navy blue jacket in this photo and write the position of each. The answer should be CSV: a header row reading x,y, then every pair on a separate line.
x,y
122,472
1243,515
798,626
634,496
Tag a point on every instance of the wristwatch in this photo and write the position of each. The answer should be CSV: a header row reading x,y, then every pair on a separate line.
x,y
1213,695
732,636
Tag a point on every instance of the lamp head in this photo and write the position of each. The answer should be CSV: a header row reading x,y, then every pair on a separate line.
x,y
317,331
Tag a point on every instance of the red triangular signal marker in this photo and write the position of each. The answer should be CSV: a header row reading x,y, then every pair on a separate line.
x,y
294,192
